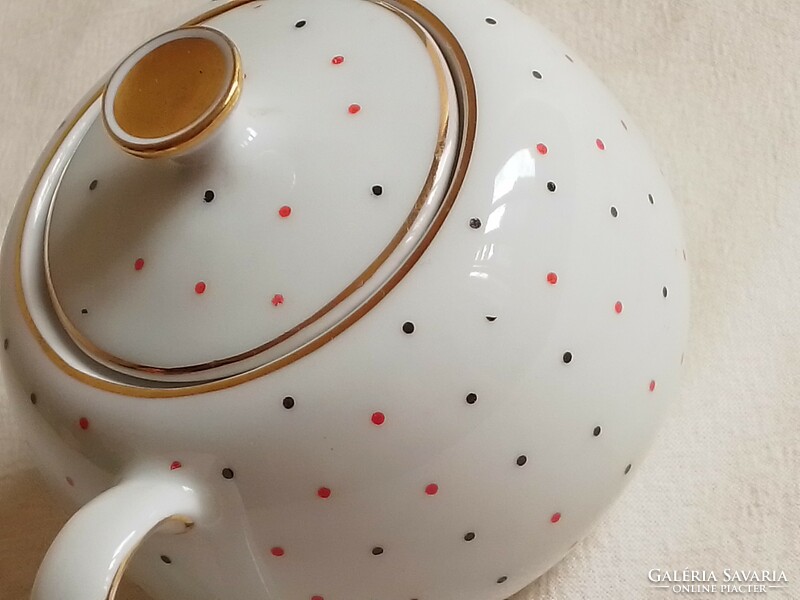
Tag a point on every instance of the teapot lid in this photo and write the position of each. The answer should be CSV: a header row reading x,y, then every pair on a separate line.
x,y
247,184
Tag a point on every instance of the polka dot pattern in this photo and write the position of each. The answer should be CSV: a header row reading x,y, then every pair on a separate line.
x,y
460,403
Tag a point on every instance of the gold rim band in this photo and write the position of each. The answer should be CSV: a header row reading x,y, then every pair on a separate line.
x,y
424,196
467,102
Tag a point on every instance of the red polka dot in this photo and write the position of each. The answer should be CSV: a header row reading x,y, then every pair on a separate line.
x,y
175,466
70,482
653,386
285,212
600,144
84,423
555,518
552,278
354,109
324,493
618,308
337,60
542,149
277,551
317,598
277,300
139,264
432,489
378,418
200,288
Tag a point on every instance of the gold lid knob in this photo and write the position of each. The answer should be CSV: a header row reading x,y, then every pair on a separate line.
x,y
173,92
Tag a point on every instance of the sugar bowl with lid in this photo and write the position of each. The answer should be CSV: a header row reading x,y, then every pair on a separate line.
x,y
354,299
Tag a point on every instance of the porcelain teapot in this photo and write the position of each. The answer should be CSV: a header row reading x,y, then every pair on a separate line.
x,y
340,300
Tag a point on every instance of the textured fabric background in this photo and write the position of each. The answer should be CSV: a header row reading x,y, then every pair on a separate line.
x,y
715,84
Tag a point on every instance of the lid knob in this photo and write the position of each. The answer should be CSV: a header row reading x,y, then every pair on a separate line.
x,y
173,92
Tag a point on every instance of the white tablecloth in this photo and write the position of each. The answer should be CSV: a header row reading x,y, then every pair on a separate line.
x,y
715,84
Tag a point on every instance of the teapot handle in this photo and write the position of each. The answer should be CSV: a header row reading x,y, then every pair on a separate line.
x,y
88,558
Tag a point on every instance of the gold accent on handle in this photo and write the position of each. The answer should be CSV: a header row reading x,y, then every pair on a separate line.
x,y
174,96
175,525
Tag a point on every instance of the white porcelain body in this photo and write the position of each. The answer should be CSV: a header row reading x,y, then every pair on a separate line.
x,y
624,368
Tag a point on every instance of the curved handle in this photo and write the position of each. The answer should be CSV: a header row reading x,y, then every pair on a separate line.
x,y
88,558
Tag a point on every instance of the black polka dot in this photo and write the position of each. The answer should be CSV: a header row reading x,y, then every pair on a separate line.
x,y
5,344
567,358
664,291
491,21
627,469
84,311
569,58
537,74
166,559
597,431
472,398
475,223
651,199
408,327
227,473
491,318
469,537
377,551
614,212
209,196
288,403
93,185
624,124
377,190
502,579
300,24
522,460
551,186
34,399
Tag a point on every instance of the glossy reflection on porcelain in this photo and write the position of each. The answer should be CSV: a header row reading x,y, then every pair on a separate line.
x,y
473,268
